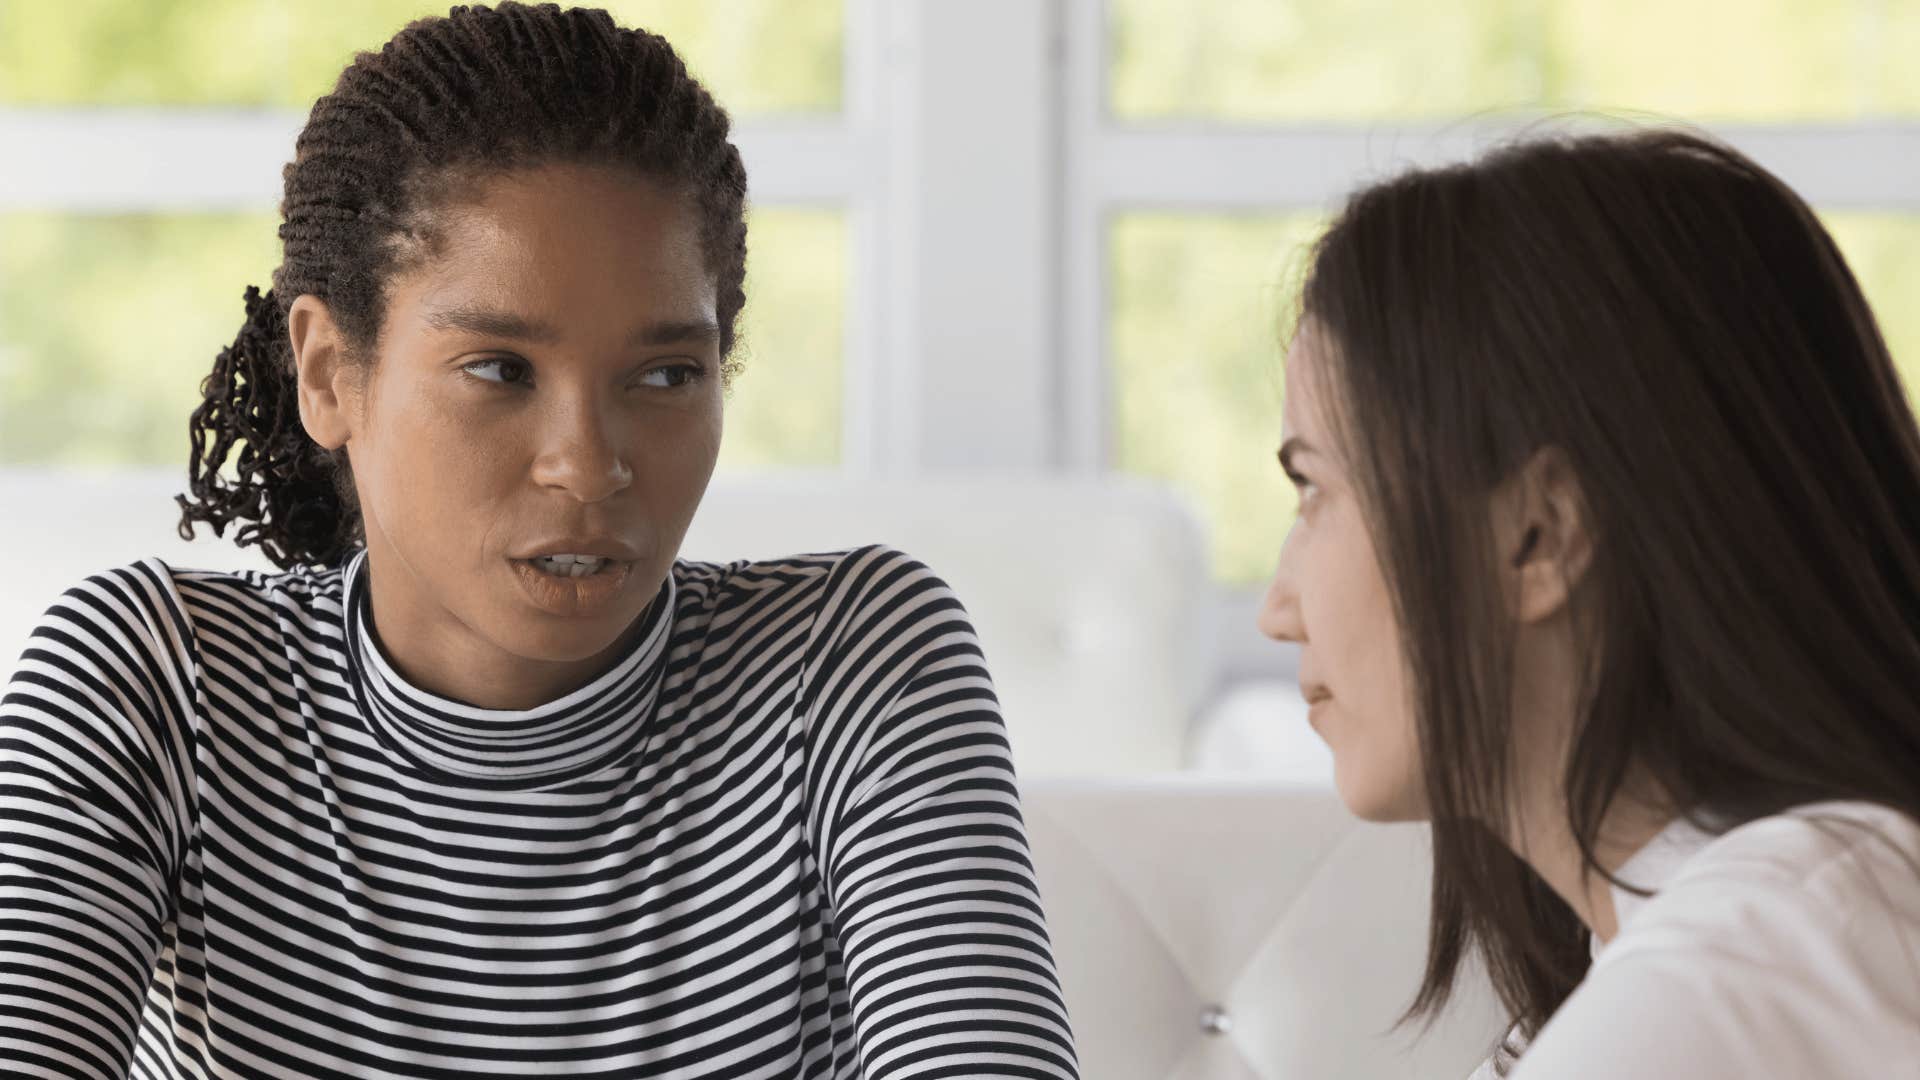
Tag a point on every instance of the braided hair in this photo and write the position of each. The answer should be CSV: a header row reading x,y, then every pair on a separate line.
x,y
448,101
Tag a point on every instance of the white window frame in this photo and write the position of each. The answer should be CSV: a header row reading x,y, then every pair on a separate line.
x,y
980,169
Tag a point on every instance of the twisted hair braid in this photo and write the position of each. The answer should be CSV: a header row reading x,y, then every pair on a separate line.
x,y
446,103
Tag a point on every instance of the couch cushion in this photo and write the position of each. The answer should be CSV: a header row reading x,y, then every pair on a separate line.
x,y
1208,930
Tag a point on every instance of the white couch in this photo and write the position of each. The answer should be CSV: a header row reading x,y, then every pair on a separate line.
x,y
1216,930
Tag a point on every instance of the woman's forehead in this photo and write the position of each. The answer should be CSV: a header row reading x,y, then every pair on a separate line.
x,y
581,247
1302,369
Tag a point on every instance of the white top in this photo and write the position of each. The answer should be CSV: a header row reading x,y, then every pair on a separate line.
x,y
1786,947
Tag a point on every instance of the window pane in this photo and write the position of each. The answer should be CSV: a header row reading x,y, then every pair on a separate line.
x,y
108,323
784,410
1197,307
1884,252
1252,60
755,55
1198,303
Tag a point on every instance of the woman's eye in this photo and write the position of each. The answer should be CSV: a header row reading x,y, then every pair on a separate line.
x,y
1306,492
671,376
499,369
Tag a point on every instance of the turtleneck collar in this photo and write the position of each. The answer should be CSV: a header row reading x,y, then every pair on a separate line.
x,y
562,739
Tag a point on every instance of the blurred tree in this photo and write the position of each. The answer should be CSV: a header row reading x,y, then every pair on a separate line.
x,y
109,322
785,408
1200,307
755,55
1706,60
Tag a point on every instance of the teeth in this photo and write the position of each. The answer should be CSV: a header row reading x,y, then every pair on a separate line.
x,y
573,566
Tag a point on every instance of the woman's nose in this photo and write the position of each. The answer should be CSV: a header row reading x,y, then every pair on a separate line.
x,y
1279,616
583,454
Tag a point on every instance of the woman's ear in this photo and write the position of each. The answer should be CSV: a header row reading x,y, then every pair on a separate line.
x,y
1543,534
326,386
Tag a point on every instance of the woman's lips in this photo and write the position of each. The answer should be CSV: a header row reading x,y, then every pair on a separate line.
x,y
1318,700
572,596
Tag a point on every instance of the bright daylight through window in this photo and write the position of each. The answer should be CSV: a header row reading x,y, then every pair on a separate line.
x,y
1196,298
110,317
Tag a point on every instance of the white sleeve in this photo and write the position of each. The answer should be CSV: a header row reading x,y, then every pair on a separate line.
x,y
1691,1015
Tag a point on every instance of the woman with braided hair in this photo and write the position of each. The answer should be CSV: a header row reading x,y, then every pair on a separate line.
x,y
485,781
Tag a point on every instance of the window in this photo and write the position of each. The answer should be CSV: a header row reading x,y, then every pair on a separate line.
x,y
1262,61
114,300
1198,302
1272,110
108,322
1884,252
757,56
1078,264
784,409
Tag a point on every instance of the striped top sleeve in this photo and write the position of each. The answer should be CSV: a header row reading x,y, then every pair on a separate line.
x,y
917,819
94,794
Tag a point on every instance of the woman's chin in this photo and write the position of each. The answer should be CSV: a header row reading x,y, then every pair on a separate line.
x,y
1374,798
542,638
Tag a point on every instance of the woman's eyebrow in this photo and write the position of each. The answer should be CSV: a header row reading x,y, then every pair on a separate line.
x,y
488,322
1290,450
675,331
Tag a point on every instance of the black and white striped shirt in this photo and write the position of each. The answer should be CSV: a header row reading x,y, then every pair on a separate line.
x,y
779,838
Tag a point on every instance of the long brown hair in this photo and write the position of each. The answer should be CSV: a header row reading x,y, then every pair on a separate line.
x,y
1675,321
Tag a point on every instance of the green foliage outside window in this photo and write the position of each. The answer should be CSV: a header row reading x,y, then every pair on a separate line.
x,y
756,56
1197,299
109,321
1366,60
1198,307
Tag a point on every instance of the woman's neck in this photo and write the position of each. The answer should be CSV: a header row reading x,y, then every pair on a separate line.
x,y
1551,666
435,652
1544,839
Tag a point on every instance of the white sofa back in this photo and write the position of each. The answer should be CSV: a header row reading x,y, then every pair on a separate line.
x,y
1090,596
1208,930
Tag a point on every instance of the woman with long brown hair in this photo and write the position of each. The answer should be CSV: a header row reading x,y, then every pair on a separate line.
x,y
1608,565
